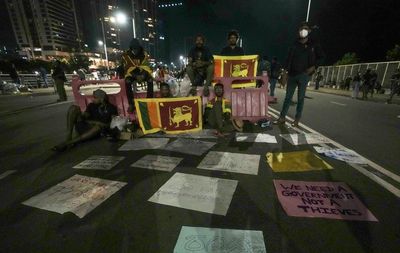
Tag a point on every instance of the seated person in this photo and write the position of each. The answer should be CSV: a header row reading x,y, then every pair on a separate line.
x,y
135,69
165,90
218,112
232,49
93,122
200,66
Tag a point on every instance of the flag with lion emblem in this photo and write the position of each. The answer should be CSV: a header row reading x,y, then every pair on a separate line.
x,y
170,115
236,66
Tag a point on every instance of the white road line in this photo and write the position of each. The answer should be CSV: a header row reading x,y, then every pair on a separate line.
x,y
365,172
336,103
55,104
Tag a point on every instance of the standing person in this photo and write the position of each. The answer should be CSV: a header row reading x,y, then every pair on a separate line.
x,y
318,79
135,68
232,49
59,80
200,66
367,78
14,74
43,75
395,86
82,74
356,85
374,78
275,70
303,59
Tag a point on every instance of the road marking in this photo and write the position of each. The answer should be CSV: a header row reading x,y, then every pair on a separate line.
x,y
55,104
362,170
336,103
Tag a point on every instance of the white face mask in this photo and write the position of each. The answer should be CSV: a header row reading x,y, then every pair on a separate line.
x,y
303,33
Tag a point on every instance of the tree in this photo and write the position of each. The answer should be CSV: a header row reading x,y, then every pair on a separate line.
x,y
348,58
393,54
78,61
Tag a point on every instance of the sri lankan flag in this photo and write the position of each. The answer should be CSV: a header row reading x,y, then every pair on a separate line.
x,y
236,66
170,115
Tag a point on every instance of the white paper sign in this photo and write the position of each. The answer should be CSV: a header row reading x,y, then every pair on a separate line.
x,y
98,162
345,155
78,194
189,146
158,162
254,137
144,143
201,134
231,162
7,173
216,240
301,139
199,193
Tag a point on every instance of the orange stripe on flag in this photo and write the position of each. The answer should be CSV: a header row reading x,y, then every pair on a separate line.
x,y
218,68
152,108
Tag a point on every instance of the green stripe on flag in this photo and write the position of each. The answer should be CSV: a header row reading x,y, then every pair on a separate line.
x,y
145,115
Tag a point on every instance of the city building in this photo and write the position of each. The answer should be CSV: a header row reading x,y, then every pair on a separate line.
x,y
44,28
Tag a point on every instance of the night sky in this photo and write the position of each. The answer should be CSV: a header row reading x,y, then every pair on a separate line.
x,y
366,27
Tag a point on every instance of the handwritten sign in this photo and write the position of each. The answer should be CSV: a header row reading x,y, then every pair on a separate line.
x,y
254,137
144,143
345,155
98,162
231,162
216,240
305,138
78,194
199,193
189,146
331,200
158,162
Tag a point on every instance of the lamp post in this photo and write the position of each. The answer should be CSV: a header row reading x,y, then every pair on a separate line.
x,y
104,43
308,10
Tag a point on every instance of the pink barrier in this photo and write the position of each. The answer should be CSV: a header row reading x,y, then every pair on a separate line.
x,y
119,99
247,104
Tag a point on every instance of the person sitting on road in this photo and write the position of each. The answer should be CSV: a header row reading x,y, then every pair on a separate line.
x,y
90,124
200,66
135,69
165,90
232,49
218,113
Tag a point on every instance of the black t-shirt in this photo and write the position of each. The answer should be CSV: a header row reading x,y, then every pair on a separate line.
x,y
202,53
228,51
101,113
303,56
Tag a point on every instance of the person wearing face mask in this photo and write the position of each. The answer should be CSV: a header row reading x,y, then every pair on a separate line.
x,y
232,49
303,59
200,66
135,69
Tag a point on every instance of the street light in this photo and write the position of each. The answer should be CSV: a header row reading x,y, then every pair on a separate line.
x,y
121,18
101,43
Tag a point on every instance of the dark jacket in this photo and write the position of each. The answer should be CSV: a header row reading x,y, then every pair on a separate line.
x,y
58,73
303,56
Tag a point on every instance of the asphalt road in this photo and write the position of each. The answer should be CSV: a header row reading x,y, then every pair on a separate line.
x,y
128,222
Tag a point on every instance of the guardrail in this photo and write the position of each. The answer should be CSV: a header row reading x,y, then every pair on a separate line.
x,y
36,81
339,73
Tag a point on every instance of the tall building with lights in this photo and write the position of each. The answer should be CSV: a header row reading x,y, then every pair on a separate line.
x,y
44,27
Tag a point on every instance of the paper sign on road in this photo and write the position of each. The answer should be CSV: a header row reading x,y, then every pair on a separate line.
x,y
231,162
216,240
144,143
98,162
189,146
302,139
158,162
78,194
199,193
254,137
345,155
332,200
